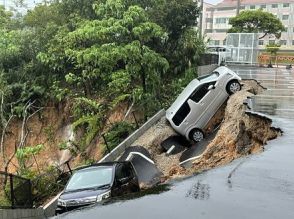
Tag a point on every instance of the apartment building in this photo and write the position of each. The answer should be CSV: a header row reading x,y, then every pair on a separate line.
x,y
216,20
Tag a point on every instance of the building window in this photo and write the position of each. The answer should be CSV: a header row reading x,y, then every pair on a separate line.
x,y
209,20
216,42
221,20
242,7
286,29
252,6
262,6
274,5
208,31
283,42
260,42
285,17
271,42
286,5
293,42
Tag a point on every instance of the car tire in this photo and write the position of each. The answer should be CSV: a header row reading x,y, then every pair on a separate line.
x,y
196,135
233,87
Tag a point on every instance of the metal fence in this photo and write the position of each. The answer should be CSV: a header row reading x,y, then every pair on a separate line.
x,y
15,191
242,48
18,192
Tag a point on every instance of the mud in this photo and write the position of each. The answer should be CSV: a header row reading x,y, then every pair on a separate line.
x,y
240,134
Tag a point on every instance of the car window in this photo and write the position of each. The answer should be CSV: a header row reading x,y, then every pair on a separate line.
x,y
122,171
200,92
129,170
90,178
181,114
213,76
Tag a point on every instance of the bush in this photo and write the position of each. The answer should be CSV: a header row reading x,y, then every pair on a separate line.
x,y
118,132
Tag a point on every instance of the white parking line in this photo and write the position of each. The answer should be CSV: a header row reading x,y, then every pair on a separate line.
x,y
192,158
140,154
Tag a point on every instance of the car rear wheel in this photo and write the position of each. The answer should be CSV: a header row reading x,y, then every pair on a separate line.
x,y
233,87
196,135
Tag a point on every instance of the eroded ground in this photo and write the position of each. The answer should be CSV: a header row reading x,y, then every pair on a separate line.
x,y
240,134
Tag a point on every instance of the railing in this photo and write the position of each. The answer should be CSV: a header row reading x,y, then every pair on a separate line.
x,y
49,184
16,191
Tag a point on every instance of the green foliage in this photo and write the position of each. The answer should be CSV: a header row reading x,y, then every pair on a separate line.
x,y
5,17
63,146
50,133
89,115
257,21
47,184
118,132
273,48
97,54
25,153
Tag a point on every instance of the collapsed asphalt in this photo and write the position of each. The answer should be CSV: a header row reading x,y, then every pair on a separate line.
x,y
257,186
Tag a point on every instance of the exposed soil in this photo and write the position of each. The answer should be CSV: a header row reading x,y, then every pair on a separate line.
x,y
240,134
51,127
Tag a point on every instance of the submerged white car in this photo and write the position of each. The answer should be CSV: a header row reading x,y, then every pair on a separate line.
x,y
200,100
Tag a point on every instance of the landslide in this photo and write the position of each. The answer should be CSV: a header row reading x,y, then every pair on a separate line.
x,y
240,134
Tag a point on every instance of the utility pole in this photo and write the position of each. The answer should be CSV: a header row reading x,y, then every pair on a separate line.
x,y
201,18
238,7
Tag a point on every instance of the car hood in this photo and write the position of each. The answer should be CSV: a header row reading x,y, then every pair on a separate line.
x,y
82,194
181,98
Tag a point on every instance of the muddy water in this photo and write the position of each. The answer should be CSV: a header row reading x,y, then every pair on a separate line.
x,y
257,186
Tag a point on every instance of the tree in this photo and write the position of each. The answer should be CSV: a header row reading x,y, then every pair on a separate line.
x,y
273,49
113,51
257,21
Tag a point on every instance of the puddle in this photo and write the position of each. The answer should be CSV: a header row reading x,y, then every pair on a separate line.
x,y
199,191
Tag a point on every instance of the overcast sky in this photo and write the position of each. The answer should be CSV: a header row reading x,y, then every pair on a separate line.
x,y
213,1
31,3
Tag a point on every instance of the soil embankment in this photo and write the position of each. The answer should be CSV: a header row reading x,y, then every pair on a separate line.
x,y
240,134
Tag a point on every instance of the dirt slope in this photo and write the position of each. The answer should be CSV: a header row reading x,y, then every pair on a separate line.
x,y
240,134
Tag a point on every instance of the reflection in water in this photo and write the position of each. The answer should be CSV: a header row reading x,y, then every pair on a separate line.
x,y
199,191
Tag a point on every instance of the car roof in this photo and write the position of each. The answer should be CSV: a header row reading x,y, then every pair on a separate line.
x,y
189,89
103,164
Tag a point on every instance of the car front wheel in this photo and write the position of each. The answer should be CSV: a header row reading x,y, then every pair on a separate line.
x,y
233,87
196,135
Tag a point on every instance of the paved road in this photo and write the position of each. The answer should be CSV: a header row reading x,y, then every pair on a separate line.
x,y
260,186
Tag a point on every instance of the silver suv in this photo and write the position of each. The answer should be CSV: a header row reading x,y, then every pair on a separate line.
x,y
200,100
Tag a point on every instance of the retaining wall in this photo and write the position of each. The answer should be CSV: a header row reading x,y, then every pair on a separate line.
x,y
37,213
116,152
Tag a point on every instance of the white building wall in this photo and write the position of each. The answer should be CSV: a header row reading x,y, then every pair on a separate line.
x,y
216,30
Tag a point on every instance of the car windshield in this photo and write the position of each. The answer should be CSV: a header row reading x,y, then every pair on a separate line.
x,y
213,76
90,178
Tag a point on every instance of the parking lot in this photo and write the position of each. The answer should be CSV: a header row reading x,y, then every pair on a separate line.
x,y
257,186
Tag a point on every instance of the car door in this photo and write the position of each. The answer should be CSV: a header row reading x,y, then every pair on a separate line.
x,y
133,185
203,104
122,179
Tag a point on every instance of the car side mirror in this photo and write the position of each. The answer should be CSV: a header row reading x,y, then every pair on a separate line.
x,y
211,87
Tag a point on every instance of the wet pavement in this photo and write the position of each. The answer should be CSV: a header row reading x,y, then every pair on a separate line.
x,y
257,186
